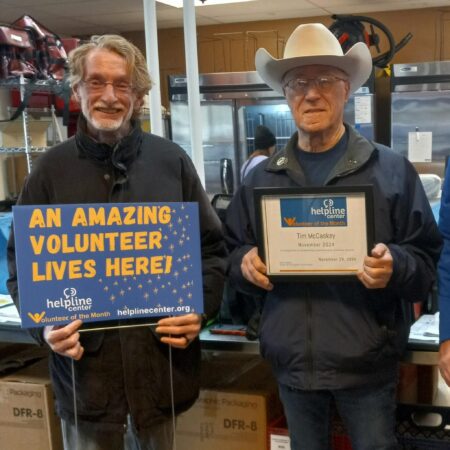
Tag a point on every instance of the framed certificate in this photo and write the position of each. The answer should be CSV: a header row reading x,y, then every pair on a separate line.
x,y
314,233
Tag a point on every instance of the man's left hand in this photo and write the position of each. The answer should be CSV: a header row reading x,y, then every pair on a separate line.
x,y
377,269
179,331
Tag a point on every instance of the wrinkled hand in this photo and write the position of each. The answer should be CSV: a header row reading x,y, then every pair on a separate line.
x,y
444,361
377,269
65,340
179,331
254,270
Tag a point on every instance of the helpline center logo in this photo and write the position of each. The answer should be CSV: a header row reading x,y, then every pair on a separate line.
x,y
314,212
68,303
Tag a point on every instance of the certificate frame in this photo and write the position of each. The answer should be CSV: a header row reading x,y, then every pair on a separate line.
x,y
307,250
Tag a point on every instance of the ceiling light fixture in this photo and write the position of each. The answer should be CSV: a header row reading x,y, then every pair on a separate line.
x,y
179,3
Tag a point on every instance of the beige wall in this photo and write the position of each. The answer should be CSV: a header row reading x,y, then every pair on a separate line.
x,y
231,47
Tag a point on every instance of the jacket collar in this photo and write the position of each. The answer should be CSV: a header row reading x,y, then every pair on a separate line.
x,y
358,152
120,154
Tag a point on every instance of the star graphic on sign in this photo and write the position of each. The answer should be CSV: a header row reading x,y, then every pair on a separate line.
x,y
122,292
146,295
100,280
185,268
106,288
140,286
155,291
180,242
112,298
116,283
176,274
189,295
180,301
180,220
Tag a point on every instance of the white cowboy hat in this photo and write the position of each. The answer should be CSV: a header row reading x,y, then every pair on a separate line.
x,y
313,43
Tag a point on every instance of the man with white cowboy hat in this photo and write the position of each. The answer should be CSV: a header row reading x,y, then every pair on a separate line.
x,y
326,340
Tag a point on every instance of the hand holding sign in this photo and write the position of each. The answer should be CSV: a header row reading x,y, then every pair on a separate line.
x,y
65,340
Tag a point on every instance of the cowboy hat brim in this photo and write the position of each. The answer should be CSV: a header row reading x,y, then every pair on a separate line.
x,y
356,63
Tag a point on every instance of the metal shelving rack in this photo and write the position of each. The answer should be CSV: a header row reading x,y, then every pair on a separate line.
x,y
27,86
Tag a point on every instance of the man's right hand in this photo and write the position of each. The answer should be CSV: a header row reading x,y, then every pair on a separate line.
x,y
254,270
65,340
444,361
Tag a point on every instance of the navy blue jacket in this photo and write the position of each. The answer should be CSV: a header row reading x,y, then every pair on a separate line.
x,y
444,262
331,335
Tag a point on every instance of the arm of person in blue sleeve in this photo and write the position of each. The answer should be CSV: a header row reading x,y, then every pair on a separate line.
x,y
444,282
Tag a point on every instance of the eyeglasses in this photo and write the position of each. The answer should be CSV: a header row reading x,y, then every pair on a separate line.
x,y
96,85
300,86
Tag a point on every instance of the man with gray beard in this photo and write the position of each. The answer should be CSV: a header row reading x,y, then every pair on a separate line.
x,y
121,375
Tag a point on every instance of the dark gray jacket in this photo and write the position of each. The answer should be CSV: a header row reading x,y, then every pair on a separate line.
x,y
126,369
331,335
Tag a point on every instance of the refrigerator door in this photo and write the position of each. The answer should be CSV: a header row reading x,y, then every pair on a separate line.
x,y
420,114
219,134
420,128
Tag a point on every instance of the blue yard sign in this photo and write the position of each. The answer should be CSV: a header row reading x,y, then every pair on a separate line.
x,y
100,262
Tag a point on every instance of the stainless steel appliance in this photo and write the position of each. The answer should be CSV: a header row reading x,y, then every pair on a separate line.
x,y
232,105
420,113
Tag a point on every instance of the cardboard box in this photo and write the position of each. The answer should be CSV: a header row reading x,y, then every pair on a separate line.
x,y
27,414
225,421
238,399
16,168
12,133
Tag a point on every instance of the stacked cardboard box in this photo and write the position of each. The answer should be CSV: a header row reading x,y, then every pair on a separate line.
x,y
27,414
